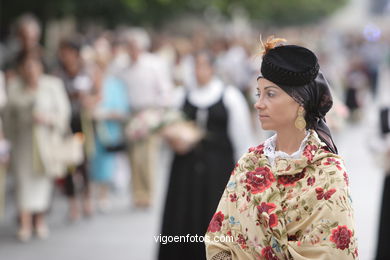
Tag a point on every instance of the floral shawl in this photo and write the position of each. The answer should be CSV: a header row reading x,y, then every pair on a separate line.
x,y
295,209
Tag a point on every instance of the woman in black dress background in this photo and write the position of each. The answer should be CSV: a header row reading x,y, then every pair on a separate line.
x,y
199,177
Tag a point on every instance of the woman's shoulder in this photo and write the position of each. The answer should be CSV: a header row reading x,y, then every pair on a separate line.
x,y
253,158
329,162
329,168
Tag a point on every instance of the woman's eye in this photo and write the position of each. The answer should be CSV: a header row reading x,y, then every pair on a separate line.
x,y
270,93
258,95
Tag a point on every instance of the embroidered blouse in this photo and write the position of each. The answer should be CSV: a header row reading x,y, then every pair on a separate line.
x,y
298,207
271,153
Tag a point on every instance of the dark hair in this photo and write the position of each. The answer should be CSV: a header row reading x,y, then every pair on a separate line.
x,y
73,44
316,99
209,55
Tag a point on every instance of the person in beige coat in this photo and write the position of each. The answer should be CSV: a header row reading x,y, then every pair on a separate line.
x,y
37,115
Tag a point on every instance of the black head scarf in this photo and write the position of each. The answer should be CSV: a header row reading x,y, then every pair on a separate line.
x,y
316,99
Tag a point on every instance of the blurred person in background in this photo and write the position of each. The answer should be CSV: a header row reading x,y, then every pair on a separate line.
x,y
183,67
357,86
149,88
234,64
120,58
37,112
379,142
79,87
197,178
28,33
110,115
287,198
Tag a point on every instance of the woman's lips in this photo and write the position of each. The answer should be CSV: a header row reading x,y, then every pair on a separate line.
x,y
263,116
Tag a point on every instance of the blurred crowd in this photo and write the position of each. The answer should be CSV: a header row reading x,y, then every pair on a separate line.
x,y
89,119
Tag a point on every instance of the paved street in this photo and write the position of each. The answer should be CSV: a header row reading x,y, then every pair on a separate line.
x,y
128,234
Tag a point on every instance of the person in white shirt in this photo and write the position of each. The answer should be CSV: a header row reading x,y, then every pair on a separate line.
x,y
149,87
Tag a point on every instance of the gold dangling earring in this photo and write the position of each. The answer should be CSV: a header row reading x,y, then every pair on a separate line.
x,y
300,122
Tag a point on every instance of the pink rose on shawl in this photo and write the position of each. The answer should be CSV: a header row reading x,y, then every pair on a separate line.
x,y
290,180
233,197
341,236
332,161
321,194
259,180
311,181
309,151
241,240
356,252
268,253
258,150
273,220
216,222
268,208
346,179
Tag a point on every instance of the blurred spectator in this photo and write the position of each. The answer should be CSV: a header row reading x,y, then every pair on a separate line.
x,y
37,113
149,87
110,115
356,82
79,86
120,58
233,65
183,68
380,145
28,35
198,178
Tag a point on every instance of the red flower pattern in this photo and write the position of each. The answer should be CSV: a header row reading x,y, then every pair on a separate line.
x,y
216,222
311,181
310,151
290,180
332,161
356,252
324,195
241,240
259,180
346,179
233,197
341,236
273,220
268,253
258,150
266,207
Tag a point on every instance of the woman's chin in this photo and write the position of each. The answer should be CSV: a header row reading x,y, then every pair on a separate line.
x,y
265,126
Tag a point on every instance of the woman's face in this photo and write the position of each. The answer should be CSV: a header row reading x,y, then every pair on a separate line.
x,y
276,109
70,58
31,70
203,69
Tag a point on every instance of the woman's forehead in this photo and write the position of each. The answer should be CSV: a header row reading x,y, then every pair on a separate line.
x,y
263,82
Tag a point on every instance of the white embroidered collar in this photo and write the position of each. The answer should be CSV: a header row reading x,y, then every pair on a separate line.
x,y
270,145
207,95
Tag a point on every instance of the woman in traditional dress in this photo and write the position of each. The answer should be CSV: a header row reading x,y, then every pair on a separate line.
x,y
198,177
287,198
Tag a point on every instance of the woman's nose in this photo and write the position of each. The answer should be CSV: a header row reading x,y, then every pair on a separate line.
x,y
259,104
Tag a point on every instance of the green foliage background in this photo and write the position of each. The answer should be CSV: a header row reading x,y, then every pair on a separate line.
x,y
156,12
